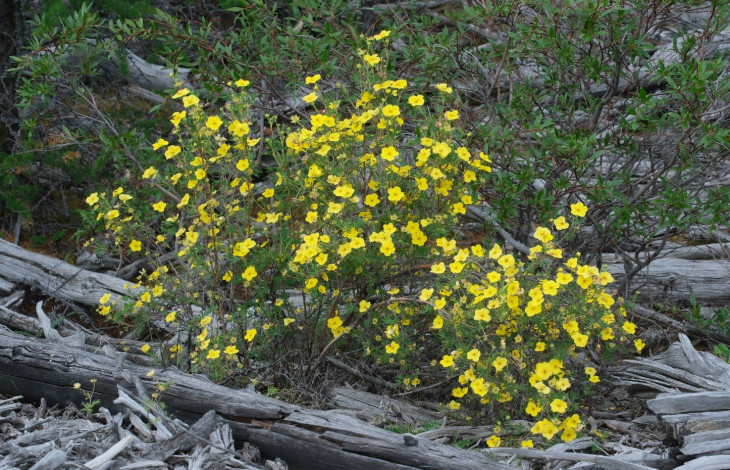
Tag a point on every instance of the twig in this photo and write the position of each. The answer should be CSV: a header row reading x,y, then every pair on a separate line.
x,y
352,371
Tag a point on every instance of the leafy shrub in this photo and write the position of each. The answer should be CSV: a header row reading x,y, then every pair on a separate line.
x,y
363,222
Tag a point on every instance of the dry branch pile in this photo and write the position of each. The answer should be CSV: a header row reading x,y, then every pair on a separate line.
x,y
140,436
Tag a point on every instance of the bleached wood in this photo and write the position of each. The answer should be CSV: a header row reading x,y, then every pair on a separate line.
x,y
57,278
109,454
604,461
714,462
675,279
707,442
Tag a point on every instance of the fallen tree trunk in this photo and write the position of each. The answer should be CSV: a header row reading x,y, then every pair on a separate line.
x,y
676,279
57,278
38,368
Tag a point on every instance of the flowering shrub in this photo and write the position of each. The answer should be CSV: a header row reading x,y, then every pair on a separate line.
x,y
356,243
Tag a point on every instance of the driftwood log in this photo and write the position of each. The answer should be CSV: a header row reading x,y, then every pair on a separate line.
x,y
37,368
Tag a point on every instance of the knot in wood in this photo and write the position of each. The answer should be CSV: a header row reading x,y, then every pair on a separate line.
x,y
410,440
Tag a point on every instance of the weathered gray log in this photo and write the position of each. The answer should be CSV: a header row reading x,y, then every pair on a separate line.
x,y
675,279
39,368
380,409
708,442
6,287
709,251
680,368
57,278
686,423
673,403
714,462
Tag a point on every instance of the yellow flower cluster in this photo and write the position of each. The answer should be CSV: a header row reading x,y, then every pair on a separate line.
x,y
360,219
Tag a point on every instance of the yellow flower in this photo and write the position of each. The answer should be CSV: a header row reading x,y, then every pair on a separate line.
x,y
311,80
532,409
494,441
213,354
159,206
250,333
560,223
344,190
395,194
334,208
288,321
416,100
447,361
391,110
92,199
639,344
371,59
145,349
177,117
580,339
568,435
231,350
629,327
388,153
451,115
506,261
438,322
310,98
242,83
190,100
364,306
482,314
425,294
238,128
473,355
249,273
443,88
392,348
150,172
438,268
540,346
454,405
381,35
558,406
594,379
578,209
459,392
180,93
77,386
135,245
543,234
495,252
213,123
160,143
527,443
372,200
499,363
170,317
334,322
